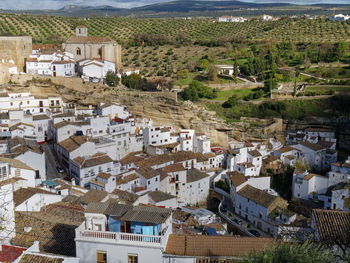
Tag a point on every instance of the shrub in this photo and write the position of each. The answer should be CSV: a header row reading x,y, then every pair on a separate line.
x,y
112,79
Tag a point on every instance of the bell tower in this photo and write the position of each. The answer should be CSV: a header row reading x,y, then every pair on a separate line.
x,y
81,31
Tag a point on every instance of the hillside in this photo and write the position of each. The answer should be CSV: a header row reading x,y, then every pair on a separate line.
x,y
53,29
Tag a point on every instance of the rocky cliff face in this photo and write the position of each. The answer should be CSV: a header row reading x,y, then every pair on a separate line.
x,y
184,115
161,107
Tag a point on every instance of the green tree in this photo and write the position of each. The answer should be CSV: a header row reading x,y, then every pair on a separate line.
x,y
182,74
270,84
211,56
204,64
292,253
212,73
135,81
112,79
235,68
232,101
340,50
197,90
189,93
222,185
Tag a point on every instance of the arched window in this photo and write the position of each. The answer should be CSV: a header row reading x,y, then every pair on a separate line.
x,y
78,51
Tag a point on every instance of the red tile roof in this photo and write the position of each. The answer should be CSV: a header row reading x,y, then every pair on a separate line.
x,y
10,253
214,246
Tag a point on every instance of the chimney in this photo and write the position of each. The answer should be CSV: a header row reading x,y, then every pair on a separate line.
x,y
73,181
34,247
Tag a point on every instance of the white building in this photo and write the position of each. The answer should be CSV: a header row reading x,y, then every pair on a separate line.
x,y
57,64
33,199
341,167
113,110
28,103
29,153
122,233
339,17
268,18
258,207
85,168
307,185
288,155
20,170
232,19
236,181
197,188
104,182
316,155
158,198
95,70
7,207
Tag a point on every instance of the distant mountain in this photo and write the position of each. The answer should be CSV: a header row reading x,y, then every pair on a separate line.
x,y
84,10
192,8
196,5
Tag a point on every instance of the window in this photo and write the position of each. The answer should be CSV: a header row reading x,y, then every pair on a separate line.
x,y
132,258
101,257
78,51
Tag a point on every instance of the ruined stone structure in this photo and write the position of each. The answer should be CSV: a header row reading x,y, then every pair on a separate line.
x,y
93,47
16,49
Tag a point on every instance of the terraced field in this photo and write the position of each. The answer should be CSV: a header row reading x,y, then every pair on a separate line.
x,y
56,29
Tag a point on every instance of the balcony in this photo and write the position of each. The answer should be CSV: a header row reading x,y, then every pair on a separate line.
x,y
120,238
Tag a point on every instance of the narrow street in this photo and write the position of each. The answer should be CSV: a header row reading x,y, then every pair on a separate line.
x,y
51,163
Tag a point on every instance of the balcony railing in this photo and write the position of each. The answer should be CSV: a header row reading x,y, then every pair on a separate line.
x,y
119,238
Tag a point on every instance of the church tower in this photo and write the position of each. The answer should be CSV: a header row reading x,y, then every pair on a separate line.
x,y
81,31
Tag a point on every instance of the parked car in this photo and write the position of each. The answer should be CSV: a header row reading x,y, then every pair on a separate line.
x,y
237,221
59,169
67,179
254,232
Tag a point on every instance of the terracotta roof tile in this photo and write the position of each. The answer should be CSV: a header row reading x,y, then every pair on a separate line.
x,y
92,161
73,142
285,149
258,196
194,175
176,167
148,172
310,175
126,179
30,258
332,225
312,146
159,196
24,194
104,175
215,246
93,196
89,40
125,196
16,163
237,178
131,158
254,153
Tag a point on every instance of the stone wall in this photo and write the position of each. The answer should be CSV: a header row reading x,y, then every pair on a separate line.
x,y
16,49
4,74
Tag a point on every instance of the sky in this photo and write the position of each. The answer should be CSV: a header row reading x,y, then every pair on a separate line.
x,y
55,4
